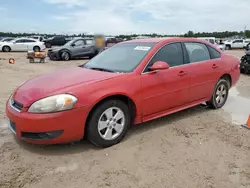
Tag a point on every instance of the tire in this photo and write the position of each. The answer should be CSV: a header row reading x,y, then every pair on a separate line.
x,y
48,45
228,47
36,49
108,132
219,92
242,71
6,49
65,56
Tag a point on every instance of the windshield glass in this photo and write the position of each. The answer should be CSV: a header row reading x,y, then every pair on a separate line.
x,y
120,58
69,42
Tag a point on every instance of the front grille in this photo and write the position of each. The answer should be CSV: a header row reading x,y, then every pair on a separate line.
x,y
17,105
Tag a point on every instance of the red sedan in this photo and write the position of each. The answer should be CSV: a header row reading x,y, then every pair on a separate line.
x,y
130,83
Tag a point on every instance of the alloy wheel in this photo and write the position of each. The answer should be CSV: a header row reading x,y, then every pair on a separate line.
x,y
111,123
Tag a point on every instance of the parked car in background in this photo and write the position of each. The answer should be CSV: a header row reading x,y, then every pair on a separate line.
x,y
212,40
80,47
236,44
7,39
55,41
22,44
39,38
111,41
130,83
245,61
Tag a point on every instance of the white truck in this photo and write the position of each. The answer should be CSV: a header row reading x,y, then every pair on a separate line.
x,y
212,40
236,43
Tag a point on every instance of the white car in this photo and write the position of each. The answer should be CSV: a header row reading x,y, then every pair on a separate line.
x,y
22,45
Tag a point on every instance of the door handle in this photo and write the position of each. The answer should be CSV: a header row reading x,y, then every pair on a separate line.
x,y
215,66
182,73
83,47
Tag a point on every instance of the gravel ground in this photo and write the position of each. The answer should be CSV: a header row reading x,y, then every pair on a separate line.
x,y
197,147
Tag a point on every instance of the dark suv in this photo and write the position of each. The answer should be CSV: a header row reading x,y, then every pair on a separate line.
x,y
245,61
55,41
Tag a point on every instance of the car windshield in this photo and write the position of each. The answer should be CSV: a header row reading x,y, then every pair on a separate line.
x,y
120,58
69,42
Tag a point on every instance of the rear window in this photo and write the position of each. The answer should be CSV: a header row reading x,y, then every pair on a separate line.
x,y
214,54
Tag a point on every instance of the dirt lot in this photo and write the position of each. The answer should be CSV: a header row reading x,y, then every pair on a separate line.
x,y
198,147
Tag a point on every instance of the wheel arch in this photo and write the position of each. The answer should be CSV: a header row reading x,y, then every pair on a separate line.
x,y
227,77
122,97
6,46
67,50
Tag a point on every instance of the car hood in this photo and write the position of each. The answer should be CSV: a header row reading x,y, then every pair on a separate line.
x,y
56,82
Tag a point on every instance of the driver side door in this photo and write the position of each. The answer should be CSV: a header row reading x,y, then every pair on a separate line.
x,y
165,89
19,45
78,48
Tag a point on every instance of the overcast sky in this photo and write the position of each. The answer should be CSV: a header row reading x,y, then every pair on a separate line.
x,y
124,16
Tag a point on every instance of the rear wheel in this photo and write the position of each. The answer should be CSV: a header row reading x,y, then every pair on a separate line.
x,y
220,94
6,49
228,47
108,123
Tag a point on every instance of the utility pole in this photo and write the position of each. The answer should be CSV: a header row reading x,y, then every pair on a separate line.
x,y
245,28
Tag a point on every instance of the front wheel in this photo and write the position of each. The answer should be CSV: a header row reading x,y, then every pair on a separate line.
x,y
65,56
6,49
108,123
220,94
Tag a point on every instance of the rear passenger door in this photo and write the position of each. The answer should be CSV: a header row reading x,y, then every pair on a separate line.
x,y
205,69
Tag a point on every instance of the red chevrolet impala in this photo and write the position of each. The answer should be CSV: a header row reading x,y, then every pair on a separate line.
x,y
130,83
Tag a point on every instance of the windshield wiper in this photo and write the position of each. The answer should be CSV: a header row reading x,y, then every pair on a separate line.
x,y
100,69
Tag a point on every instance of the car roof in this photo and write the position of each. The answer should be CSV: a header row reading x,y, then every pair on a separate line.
x,y
165,39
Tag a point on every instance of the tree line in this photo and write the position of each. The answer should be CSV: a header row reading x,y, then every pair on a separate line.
x,y
224,34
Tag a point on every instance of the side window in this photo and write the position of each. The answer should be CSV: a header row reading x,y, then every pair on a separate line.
x,y
211,41
197,52
214,53
27,40
238,41
79,43
171,53
89,42
19,41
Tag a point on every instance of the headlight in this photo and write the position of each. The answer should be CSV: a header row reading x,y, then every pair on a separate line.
x,y
54,103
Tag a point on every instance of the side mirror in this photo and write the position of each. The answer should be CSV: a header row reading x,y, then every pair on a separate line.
x,y
159,65
73,44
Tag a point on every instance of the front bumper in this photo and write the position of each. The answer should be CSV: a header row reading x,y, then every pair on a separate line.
x,y
54,55
53,128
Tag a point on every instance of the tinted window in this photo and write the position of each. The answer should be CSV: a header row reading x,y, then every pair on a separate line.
x,y
214,54
171,53
28,40
79,43
238,41
121,58
211,41
19,41
197,52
